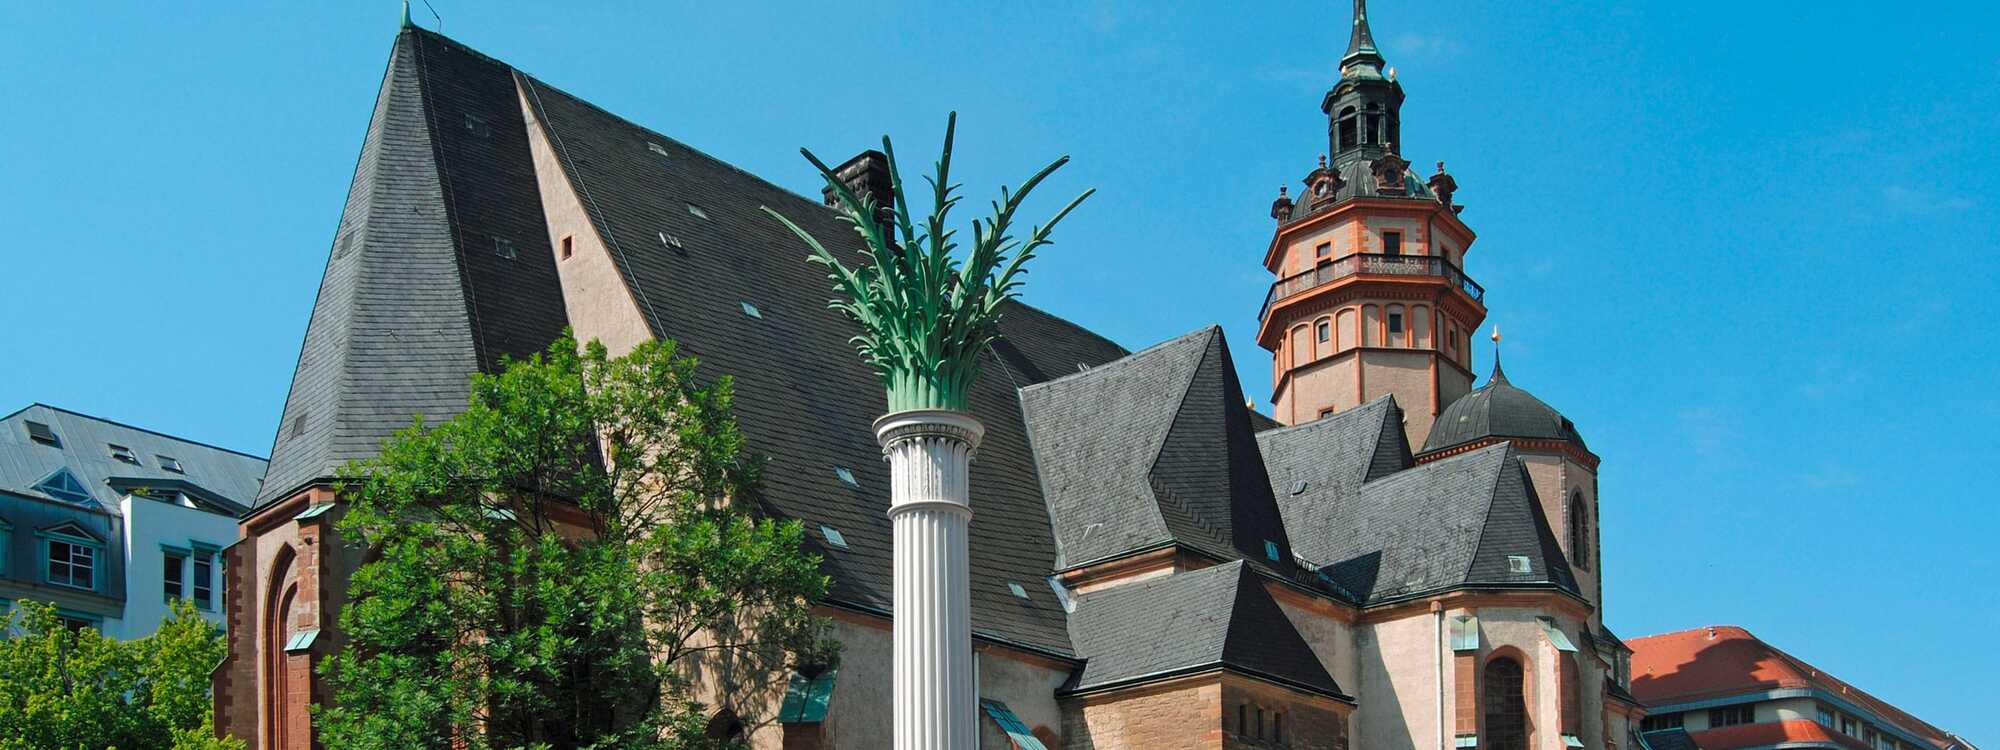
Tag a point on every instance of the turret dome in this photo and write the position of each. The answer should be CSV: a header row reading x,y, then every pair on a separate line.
x,y
1499,410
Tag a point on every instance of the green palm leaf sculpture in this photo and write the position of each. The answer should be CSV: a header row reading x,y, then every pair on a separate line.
x,y
925,314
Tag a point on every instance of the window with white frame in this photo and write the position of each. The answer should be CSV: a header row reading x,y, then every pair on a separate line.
x,y
72,562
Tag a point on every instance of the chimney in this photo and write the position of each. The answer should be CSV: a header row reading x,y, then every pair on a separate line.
x,y
867,174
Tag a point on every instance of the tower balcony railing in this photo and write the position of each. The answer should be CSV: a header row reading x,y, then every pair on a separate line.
x,y
1370,264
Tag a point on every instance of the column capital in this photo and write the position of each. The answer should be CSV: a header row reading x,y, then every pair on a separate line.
x,y
917,424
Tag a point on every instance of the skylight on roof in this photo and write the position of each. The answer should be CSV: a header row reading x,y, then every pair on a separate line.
x,y
1271,550
656,148
1299,487
503,247
1519,564
752,311
1019,593
170,463
41,433
671,241
476,125
696,211
63,485
846,476
123,453
833,536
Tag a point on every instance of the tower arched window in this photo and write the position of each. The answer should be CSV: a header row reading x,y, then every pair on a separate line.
x,y
1350,130
1395,326
1579,530
1505,705
1323,336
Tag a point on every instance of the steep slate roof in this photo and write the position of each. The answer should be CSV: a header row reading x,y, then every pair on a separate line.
x,y
804,400
225,479
1451,523
1187,622
1330,459
420,288
1725,660
1154,448
1498,409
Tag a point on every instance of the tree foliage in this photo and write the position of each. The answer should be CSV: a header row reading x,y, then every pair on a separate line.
x,y
926,316
62,688
551,568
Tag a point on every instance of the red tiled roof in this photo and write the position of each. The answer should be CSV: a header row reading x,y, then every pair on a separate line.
x,y
1773,733
1725,660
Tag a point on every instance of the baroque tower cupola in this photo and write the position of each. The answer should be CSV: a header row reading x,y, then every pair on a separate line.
x,y
1364,108
1369,298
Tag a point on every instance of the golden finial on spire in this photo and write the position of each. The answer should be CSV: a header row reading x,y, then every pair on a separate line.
x,y
1496,335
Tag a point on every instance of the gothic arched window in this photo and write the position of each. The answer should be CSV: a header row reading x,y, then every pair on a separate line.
x,y
1579,530
1506,706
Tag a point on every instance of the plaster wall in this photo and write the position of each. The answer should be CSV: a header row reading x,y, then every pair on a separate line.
x,y
1399,689
860,711
149,525
595,296
1407,376
1300,252
1554,477
1328,383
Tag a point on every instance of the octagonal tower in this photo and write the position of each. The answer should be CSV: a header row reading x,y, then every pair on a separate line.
x,y
1370,298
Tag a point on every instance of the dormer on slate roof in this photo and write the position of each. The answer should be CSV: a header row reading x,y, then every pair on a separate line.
x,y
1154,449
1465,521
1216,617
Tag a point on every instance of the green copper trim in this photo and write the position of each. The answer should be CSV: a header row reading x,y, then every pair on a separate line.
x,y
406,15
925,314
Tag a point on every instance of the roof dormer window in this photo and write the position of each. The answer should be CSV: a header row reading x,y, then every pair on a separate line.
x,y
123,453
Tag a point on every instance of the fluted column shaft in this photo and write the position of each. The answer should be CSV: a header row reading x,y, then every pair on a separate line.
x,y
929,454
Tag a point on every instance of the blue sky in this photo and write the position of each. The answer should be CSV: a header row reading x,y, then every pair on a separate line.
x,y
1745,246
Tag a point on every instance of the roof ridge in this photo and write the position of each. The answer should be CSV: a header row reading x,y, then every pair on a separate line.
x,y
116,423
1121,362
663,136
1357,409
1486,522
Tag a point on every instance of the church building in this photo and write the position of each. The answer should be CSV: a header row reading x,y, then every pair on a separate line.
x,y
1393,560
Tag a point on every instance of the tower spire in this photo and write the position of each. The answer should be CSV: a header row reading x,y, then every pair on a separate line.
x,y
1361,43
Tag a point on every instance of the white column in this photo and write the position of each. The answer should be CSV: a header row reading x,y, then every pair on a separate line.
x,y
935,690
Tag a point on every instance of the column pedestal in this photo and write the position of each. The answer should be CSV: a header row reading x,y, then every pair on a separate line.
x,y
929,454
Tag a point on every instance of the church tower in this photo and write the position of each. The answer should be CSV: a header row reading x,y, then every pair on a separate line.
x,y
1370,299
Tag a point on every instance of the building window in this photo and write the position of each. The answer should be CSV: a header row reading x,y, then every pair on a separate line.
x,y
1663,721
1732,715
204,576
6,544
1579,530
75,623
1392,243
169,463
1396,325
568,246
1260,723
1324,250
123,453
73,564
1277,727
1847,725
173,565
1506,708
1825,717
1324,331
63,485
1350,135
1326,412
1243,719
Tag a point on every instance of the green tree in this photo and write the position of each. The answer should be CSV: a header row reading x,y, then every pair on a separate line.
x,y
64,688
554,566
